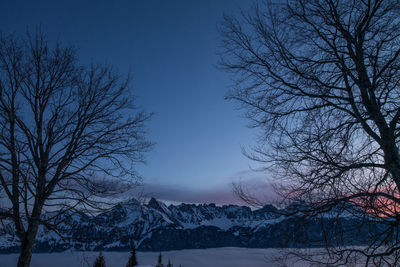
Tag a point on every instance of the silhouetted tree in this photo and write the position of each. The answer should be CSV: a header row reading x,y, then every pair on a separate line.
x,y
159,261
320,79
132,259
169,263
70,135
100,262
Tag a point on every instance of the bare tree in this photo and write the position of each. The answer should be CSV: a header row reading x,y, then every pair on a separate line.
x,y
321,80
67,132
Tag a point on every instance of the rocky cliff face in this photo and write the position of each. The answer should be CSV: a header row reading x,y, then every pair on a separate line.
x,y
155,226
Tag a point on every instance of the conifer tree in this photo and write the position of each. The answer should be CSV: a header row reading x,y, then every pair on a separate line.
x,y
160,259
100,262
169,263
132,259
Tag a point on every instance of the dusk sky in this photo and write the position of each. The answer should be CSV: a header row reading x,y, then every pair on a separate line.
x,y
171,48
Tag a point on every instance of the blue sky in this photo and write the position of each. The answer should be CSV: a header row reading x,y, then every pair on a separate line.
x,y
171,48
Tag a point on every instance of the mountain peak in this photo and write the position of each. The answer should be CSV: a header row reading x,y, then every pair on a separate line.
x,y
156,204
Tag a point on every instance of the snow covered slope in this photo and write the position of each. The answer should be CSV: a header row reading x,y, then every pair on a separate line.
x,y
157,227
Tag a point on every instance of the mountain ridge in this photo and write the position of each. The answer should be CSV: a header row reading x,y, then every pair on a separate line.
x,y
154,226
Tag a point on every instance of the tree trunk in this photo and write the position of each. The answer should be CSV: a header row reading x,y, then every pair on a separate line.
x,y
27,246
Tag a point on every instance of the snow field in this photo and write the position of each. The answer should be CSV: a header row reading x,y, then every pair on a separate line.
x,y
215,257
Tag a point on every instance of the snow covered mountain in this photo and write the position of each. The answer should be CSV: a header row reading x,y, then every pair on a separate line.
x,y
157,227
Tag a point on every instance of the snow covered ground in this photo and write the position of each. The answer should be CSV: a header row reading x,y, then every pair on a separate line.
x,y
216,257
